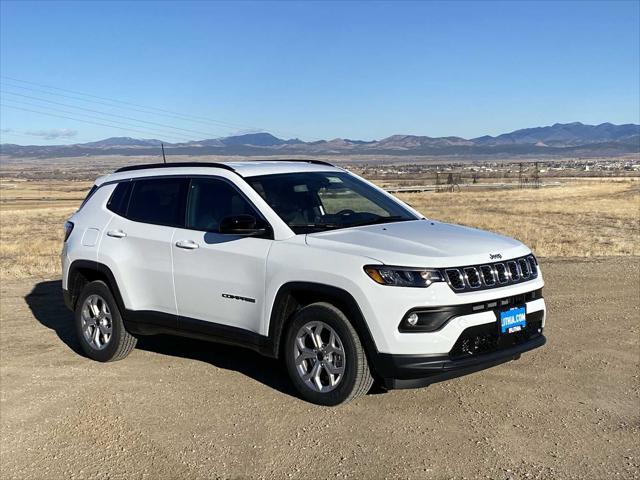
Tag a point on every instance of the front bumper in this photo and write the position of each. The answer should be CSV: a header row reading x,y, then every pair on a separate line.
x,y
413,371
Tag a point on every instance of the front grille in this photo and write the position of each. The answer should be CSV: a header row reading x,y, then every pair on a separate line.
x,y
479,277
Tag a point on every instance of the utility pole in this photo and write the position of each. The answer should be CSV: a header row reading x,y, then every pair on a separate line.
x,y
520,176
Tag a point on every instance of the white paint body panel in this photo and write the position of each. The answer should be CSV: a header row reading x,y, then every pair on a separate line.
x,y
220,265
141,263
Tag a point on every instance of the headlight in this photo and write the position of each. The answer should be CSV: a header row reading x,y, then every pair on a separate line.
x,y
403,276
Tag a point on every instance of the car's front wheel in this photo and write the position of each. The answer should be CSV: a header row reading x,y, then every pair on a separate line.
x,y
324,356
99,326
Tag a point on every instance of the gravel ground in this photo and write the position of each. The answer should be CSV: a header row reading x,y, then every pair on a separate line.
x,y
178,408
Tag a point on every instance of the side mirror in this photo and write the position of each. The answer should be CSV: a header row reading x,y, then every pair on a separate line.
x,y
246,225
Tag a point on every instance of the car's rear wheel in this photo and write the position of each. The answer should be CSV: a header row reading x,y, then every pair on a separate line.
x,y
324,356
99,325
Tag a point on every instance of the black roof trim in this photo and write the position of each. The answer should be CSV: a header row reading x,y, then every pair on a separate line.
x,y
215,165
173,165
299,160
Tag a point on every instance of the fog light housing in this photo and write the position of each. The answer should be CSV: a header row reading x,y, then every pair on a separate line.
x,y
428,319
413,319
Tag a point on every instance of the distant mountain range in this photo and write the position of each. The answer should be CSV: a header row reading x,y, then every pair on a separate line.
x,y
569,139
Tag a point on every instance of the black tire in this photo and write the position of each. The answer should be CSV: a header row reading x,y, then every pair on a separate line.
x,y
356,379
120,342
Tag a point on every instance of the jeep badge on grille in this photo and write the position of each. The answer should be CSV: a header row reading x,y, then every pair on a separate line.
x,y
495,256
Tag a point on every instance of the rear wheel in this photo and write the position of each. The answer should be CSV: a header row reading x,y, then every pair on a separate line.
x,y
99,326
324,356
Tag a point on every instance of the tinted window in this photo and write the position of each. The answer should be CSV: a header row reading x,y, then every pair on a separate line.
x,y
119,200
211,200
159,201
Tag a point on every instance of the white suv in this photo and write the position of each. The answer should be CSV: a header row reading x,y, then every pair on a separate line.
x,y
299,260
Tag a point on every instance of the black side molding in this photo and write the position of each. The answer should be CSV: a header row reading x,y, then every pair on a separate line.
x,y
144,322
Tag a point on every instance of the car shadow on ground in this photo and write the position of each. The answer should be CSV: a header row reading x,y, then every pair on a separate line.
x,y
46,303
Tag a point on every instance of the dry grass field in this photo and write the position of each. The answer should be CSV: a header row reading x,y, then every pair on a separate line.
x,y
32,214
579,219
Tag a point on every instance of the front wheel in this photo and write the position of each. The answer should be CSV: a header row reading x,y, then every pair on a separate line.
x,y
324,356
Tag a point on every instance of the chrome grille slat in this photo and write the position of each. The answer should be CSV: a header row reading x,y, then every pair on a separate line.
x,y
501,273
472,277
488,276
524,267
491,275
514,271
533,265
456,280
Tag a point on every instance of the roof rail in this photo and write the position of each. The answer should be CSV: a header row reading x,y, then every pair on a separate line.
x,y
301,160
174,165
146,166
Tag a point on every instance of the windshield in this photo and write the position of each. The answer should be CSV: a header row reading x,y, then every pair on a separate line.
x,y
317,201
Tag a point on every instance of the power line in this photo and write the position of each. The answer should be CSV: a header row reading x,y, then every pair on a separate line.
x,y
149,131
165,112
128,129
206,134
110,100
91,101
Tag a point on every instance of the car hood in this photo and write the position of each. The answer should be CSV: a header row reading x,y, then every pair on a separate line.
x,y
420,243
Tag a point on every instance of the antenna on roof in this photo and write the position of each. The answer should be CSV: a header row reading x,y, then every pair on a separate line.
x,y
163,157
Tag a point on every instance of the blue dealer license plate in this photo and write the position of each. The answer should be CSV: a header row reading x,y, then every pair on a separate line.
x,y
513,320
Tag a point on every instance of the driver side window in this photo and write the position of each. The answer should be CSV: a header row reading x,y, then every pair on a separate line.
x,y
211,200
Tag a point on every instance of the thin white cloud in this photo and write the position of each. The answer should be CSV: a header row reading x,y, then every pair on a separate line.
x,y
53,134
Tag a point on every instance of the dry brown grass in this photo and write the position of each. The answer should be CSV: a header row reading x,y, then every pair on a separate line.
x,y
32,216
585,219
581,220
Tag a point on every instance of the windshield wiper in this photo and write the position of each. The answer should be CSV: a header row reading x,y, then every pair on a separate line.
x,y
377,221
318,226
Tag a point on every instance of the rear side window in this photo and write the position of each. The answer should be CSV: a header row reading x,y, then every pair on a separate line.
x,y
119,200
158,201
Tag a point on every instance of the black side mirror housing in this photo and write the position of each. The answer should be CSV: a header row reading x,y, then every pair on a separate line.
x,y
246,225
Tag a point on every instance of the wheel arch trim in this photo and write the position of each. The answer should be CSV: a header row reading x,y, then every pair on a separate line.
x,y
78,266
282,311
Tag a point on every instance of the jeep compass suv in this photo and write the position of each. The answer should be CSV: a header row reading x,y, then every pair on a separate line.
x,y
298,260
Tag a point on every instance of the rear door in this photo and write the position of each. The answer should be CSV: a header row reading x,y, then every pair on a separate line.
x,y
219,279
137,242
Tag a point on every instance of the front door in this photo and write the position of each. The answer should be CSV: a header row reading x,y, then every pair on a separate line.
x,y
219,279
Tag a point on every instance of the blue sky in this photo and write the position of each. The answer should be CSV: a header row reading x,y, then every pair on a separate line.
x,y
313,70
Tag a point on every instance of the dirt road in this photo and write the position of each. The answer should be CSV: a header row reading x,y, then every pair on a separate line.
x,y
184,409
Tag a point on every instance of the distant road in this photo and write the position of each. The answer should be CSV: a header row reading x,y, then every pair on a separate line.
x,y
432,188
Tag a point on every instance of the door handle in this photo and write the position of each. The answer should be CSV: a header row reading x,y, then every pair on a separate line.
x,y
116,233
187,244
